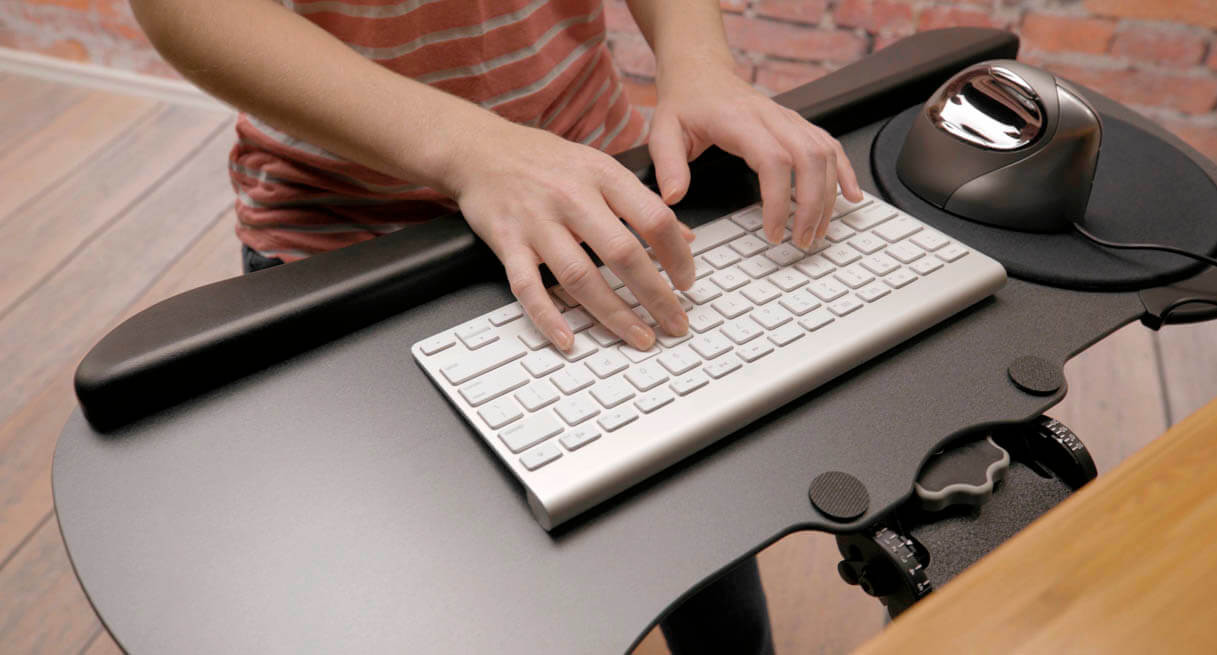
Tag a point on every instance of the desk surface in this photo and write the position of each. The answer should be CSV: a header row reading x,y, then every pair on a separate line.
x,y
1126,565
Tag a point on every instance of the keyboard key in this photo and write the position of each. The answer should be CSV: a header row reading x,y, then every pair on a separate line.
x,y
578,320
730,279
635,355
827,289
952,252
581,347
627,296
722,257
606,363
742,330
751,218
530,431
880,264
653,400
576,409
842,255
709,346
854,276
670,341
800,302
925,266
533,338
838,232
930,240
868,217
679,360
564,297
714,234
761,292
602,336
900,279
686,384
615,418
816,320
731,306
771,316
472,328
754,350
788,279
576,438
572,379
702,292
646,376
543,362
611,393
505,315
867,243
897,229
844,206
815,267
494,384
478,362
611,278
905,252
701,268
480,339
500,413
703,318
844,305
645,315
536,395
873,292
721,367
784,254
540,456
437,343
758,266
748,245
786,334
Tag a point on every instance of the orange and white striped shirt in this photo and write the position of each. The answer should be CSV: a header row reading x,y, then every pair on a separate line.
x,y
542,63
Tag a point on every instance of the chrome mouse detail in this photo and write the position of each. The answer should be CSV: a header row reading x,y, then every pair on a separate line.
x,y
1005,144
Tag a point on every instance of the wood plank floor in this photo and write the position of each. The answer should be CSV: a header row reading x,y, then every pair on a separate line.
x,y
110,203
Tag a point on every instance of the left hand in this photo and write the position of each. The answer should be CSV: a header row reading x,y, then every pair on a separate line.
x,y
702,106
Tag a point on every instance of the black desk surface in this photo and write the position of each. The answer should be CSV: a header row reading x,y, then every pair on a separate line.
x,y
334,502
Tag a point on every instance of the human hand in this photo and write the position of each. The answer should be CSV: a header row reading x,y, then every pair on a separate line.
x,y
533,197
702,105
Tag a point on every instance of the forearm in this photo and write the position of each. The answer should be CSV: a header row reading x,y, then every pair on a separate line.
x,y
683,34
266,60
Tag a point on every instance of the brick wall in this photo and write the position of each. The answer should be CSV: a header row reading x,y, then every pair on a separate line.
x,y
1158,56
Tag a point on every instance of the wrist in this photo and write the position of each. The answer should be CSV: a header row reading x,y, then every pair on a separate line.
x,y
676,70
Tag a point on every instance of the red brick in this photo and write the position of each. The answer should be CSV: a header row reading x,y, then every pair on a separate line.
x,y
937,17
876,16
792,41
1200,137
1054,33
1188,94
1212,62
633,56
78,5
1195,12
804,11
778,76
1160,46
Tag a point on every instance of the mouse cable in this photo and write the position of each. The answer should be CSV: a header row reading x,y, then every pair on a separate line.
x,y
1170,309
1144,246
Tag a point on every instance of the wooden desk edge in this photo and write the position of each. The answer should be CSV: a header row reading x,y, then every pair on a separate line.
x,y
1126,565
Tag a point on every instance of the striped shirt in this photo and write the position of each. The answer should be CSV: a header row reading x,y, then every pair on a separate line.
x,y
542,63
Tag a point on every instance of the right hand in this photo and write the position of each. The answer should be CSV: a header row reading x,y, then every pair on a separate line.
x,y
533,196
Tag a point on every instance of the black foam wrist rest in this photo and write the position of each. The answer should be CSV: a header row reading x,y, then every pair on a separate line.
x,y
208,336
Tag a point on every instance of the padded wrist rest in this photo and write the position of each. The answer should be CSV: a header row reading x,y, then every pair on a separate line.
x,y
208,336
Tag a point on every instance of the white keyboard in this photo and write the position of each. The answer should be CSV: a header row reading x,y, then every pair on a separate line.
x,y
766,324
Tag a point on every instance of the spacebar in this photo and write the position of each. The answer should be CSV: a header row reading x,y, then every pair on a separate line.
x,y
712,235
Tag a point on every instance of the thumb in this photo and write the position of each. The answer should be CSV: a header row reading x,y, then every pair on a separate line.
x,y
671,156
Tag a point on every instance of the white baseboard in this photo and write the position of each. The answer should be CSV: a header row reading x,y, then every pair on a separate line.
x,y
109,79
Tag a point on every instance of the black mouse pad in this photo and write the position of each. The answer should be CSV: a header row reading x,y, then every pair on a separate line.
x,y
1145,190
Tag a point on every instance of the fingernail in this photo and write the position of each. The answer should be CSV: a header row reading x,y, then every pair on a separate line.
x,y
564,339
677,325
806,238
640,337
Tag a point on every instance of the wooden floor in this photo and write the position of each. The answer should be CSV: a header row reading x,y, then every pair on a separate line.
x,y
109,203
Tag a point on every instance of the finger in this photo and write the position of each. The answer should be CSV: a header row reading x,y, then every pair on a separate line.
x,y
521,265
807,151
580,278
845,169
772,164
655,221
829,198
622,253
670,153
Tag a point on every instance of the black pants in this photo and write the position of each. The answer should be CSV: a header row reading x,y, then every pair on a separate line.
x,y
728,616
